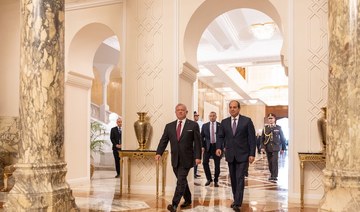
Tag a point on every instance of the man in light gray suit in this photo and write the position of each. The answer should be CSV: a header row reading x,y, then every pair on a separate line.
x,y
237,136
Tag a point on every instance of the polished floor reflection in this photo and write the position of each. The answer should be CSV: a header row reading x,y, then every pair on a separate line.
x,y
102,194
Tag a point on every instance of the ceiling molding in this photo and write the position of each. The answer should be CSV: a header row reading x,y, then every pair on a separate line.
x,y
253,61
228,81
227,25
78,5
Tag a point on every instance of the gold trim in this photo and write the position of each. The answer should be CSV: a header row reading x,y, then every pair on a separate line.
x,y
139,155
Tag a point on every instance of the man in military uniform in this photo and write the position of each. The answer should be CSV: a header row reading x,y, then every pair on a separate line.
x,y
273,141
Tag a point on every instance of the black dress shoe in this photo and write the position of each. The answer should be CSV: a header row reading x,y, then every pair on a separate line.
x,y
185,204
172,208
236,208
216,184
208,183
117,176
232,205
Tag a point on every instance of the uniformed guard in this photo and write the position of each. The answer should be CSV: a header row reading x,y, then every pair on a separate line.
x,y
272,142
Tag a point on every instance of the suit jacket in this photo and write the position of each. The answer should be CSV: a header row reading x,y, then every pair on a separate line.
x,y
187,149
205,134
115,137
273,139
241,145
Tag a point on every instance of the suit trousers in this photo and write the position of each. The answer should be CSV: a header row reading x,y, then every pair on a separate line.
x,y
182,187
206,160
237,171
273,158
117,161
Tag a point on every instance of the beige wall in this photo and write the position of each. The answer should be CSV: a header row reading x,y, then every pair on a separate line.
x,y
114,95
256,113
96,90
151,78
9,57
77,124
209,95
308,73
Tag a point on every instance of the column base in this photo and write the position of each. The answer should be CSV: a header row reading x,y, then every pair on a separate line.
x,y
342,191
40,187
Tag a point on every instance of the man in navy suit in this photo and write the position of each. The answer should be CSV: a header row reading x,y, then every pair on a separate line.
x,y
184,137
237,136
208,138
115,137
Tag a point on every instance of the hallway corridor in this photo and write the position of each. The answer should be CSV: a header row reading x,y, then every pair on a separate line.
x,y
102,194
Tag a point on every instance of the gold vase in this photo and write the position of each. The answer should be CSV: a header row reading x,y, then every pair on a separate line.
x,y
322,123
142,130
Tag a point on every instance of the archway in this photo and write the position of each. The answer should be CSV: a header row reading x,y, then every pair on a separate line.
x,y
211,9
80,62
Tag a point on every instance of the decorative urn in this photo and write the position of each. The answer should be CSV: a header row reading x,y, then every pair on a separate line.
x,y
142,130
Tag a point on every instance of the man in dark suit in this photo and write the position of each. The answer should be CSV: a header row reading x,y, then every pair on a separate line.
x,y
237,136
208,138
115,137
197,120
184,137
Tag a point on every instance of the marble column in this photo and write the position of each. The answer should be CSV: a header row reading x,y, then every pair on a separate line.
x,y
40,172
342,172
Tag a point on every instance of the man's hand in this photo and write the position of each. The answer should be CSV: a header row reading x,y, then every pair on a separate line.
x,y
218,152
157,157
197,161
118,146
251,159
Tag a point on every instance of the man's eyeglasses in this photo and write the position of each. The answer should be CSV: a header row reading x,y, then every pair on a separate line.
x,y
270,118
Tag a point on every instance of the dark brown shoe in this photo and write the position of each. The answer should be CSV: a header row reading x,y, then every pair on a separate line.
x,y
207,183
172,208
216,185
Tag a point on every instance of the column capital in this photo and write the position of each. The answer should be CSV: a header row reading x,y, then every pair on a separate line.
x,y
189,72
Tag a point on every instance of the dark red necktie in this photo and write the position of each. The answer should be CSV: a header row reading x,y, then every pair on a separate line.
x,y
178,131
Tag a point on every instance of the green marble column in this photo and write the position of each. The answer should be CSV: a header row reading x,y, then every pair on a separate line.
x,y
40,172
342,172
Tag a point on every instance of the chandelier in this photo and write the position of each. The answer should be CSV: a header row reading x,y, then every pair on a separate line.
x,y
263,31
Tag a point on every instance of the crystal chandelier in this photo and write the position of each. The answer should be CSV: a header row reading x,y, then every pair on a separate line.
x,y
263,31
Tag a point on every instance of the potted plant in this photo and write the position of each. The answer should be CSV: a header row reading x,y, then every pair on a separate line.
x,y
97,142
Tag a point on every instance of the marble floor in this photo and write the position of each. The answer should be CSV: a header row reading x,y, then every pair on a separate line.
x,y
102,193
